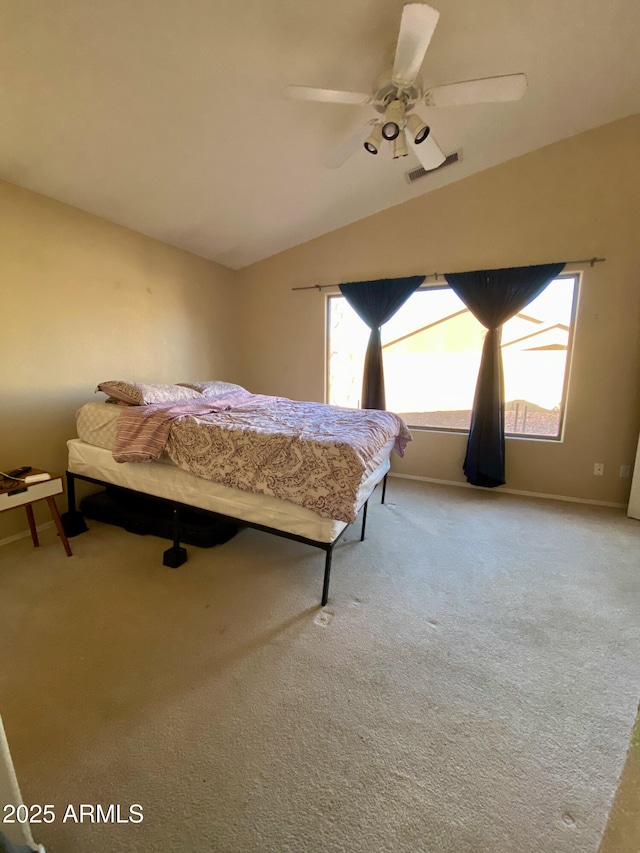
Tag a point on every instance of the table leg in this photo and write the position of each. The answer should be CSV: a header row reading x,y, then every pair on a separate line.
x,y
32,525
55,515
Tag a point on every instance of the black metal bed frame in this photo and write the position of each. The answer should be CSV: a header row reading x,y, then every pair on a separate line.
x,y
175,556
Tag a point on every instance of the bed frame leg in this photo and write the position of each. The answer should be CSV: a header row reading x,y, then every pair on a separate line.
x,y
73,522
175,556
327,574
384,487
364,520
71,492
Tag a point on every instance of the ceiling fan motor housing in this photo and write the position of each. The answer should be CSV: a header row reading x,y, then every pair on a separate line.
x,y
386,90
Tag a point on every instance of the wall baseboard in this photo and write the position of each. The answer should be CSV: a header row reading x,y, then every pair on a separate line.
x,y
502,490
25,533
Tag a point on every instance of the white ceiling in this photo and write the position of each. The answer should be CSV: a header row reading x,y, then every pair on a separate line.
x,y
166,116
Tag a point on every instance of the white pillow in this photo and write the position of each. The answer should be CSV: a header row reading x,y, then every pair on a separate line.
x,y
144,393
213,388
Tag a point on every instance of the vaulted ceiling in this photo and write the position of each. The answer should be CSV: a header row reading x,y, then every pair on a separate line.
x,y
167,117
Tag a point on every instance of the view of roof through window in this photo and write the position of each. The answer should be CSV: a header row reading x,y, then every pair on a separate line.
x,y
432,349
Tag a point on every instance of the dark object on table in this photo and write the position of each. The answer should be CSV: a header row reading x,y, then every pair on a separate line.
x,y
19,472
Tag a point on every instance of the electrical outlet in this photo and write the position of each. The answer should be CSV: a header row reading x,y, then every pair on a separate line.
x,y
625,471
598,469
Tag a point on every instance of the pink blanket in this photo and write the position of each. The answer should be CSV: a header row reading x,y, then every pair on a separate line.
x,y
142,431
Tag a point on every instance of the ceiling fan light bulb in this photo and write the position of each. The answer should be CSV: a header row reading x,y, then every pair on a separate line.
x,y
393,116
418,129
390,130
372,142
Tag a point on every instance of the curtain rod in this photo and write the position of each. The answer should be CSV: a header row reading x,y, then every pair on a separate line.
x,y
436,275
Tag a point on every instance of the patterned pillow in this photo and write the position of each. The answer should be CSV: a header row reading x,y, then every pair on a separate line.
x,y
213,388
142,393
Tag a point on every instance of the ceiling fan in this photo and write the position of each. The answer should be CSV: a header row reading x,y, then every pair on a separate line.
x,y
397,92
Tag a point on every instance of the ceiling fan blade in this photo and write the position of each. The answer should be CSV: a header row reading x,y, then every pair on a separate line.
x,y
334,96
349,148
509,87
429,153
416,29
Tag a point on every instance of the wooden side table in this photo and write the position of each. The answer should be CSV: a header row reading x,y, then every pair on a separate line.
x,y
19,494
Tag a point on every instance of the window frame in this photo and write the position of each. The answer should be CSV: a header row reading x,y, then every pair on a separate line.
x,y
437,285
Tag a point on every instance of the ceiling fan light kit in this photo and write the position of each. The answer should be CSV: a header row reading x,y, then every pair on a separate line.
x,y
400,146
374,140
398,91
393,119
418,129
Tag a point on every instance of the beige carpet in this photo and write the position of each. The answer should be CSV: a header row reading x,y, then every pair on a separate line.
x,y
471,685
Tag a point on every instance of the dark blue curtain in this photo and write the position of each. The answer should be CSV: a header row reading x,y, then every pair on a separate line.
x,y
376,302
493,297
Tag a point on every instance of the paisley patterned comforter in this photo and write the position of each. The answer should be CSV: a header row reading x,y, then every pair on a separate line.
x,y
311,454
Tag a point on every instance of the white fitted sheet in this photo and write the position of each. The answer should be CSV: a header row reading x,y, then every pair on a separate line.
x,y
165,480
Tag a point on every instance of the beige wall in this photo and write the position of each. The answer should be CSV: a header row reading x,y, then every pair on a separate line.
x,y
83,300
575,199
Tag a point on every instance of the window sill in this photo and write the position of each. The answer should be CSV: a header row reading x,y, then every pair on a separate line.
x,y
510,435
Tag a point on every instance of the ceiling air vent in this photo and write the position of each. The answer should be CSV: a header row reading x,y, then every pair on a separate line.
x,y
420,172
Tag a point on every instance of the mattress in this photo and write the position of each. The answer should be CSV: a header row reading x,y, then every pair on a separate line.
x,y
165,480
96,424
310,454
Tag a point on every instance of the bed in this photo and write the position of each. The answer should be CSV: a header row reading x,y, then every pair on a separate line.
x,y
303,471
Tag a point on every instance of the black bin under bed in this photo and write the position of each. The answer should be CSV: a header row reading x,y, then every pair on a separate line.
x,y
137,513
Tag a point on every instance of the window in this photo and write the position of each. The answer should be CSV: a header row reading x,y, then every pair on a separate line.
x,y
431,352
